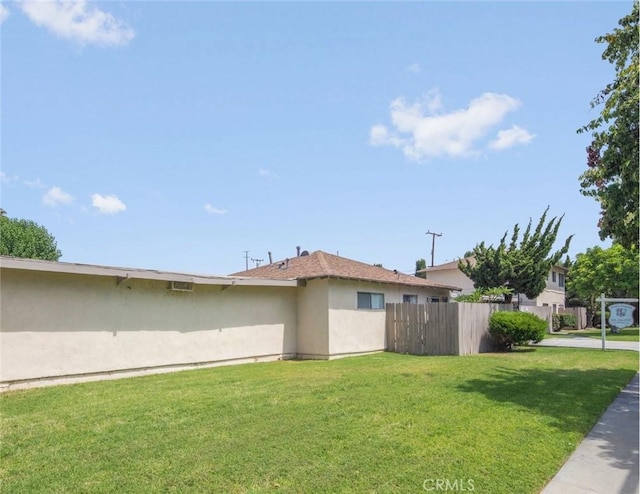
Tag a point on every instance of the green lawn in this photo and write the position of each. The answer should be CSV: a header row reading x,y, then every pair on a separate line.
x,y
627,334
502,423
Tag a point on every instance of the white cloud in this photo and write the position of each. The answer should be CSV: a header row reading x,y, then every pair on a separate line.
x,y
4,13
423,131
107,204
55,196
414,68
34,184
263,172
78,20
6,179
379,135
511,137
211,210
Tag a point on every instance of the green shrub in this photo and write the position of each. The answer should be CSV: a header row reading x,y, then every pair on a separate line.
x,y
596,320
559,321
556,322
516,328
568,321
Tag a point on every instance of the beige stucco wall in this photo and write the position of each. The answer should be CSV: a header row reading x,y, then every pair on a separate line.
x,y
552,294
70,324
55,324
548,297
313,319
353,330
452,277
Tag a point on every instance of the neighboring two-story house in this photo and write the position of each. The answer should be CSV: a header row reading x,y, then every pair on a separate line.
x,y
553,295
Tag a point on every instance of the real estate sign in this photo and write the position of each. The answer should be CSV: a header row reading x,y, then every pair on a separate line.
x,y
621,315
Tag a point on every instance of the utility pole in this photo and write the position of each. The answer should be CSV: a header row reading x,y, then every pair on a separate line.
x,y
246,260
433,244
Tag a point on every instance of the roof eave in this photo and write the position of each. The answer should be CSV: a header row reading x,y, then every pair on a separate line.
x,y
371,280
7,262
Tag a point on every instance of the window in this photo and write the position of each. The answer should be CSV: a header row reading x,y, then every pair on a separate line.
x,y
434,300
561,279
553,276
370,300
410,299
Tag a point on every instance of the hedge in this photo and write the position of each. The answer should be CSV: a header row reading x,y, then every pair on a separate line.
x,y
559,321
516,328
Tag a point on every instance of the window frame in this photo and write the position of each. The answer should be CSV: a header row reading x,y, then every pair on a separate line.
x,y
413,298
368,298
562,279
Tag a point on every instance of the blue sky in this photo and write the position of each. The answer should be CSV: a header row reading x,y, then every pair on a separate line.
x,y
176,136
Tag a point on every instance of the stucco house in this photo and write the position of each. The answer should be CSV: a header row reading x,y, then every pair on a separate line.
x,y
65,321
341,301
553,295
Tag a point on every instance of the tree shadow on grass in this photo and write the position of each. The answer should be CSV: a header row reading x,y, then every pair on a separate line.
x,y
573,399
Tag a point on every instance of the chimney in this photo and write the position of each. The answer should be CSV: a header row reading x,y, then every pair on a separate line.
x,y
270,258
298,251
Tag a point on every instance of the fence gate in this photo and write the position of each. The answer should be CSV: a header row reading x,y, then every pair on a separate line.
x,y
422,329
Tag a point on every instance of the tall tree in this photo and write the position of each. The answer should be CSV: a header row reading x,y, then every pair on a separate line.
x,y
25,238
421,265
612,157
613,271
521,265
488,267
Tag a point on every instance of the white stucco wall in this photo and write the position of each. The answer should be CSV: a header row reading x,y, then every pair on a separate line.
x,y
57,324
353,330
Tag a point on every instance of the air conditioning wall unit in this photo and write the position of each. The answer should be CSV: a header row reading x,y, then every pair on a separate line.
x,y
180,286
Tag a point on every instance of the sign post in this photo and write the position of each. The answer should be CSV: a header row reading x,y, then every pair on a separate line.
x,y
603,309
621,314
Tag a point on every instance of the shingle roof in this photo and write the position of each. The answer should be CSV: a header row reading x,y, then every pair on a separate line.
x,y
448,265
322,265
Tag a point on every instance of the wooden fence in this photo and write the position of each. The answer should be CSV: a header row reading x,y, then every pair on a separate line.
x,y
545,313
439,328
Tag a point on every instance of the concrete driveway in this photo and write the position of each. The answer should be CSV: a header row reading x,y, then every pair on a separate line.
x,y
585,342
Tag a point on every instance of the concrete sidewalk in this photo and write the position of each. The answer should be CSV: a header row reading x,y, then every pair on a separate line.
x,y
606,462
